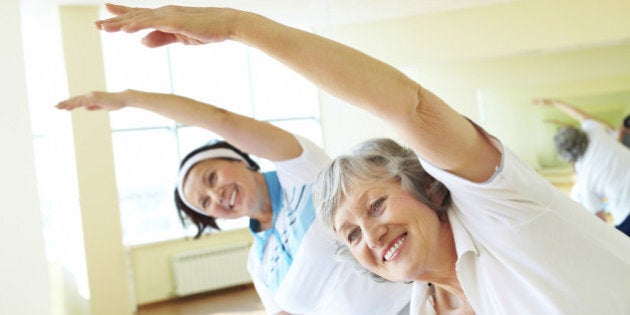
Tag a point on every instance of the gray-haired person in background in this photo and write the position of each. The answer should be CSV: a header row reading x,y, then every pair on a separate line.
x,y
601,163
623,134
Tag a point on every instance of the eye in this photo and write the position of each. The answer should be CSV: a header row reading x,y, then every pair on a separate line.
x,y
377,206
353,235
212,178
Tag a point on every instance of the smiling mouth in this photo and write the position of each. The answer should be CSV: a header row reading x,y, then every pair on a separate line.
x,y
391,252
233,197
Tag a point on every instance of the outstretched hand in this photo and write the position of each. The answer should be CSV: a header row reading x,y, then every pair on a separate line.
x,y
94,101
170,24
545,101
571,110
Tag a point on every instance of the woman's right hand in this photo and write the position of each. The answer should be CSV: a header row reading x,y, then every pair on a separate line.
x,y
545,101
172,24
95,101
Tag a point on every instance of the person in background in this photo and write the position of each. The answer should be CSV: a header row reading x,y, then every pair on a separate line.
x,y
292,260
475,228
623,133
601,164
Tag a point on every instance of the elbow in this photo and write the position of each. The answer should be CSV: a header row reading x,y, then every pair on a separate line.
x,y
418,109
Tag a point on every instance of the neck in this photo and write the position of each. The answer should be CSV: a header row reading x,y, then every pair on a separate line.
x,y
265,218
448,293
450,300
263,212
440,269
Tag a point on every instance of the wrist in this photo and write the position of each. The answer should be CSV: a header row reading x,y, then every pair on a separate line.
x,y
131,98
245,27
238,22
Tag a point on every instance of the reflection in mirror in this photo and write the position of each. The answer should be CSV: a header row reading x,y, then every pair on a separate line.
x,y
529,129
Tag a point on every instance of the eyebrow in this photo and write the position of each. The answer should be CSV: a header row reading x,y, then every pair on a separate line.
x,y
204,180
343,227
204,177
201,199
346,224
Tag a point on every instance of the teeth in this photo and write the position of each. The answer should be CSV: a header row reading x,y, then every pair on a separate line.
x,y
394,248
233,198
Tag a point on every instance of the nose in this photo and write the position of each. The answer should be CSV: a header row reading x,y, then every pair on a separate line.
x,y
374,234
216,195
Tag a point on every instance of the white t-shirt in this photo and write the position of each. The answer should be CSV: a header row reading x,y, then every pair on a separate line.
x,y
293,265
524,247
604,172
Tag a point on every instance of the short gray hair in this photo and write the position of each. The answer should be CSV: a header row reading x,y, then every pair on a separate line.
x,y
375,160
570,143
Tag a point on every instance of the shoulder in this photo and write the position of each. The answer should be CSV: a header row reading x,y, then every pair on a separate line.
x,y
302,170
593,126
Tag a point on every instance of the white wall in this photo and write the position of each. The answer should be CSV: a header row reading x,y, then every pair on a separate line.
x,y
24,288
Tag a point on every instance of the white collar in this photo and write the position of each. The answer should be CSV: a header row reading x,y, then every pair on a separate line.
x,y
463,241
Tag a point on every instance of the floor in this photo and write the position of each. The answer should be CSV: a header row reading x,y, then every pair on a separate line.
x,y
241,300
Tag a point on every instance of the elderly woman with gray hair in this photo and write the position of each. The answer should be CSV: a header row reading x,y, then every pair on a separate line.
x,y
601,163
501,246
497,238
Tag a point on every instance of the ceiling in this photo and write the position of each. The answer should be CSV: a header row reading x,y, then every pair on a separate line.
x,y
309,12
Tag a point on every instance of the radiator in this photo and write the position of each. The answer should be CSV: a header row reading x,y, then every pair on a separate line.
x,y
210,269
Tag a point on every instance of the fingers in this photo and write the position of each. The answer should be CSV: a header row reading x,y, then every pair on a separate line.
x,y
158,39
107,25
543,101
70,104
169,24
117,24
117,9
67,104
89,101
127,19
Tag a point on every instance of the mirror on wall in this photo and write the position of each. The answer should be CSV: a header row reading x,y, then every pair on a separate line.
x,y
528,129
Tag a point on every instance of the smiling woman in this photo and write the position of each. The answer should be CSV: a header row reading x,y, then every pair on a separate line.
x,y
218,180
496,230
379,175
508,235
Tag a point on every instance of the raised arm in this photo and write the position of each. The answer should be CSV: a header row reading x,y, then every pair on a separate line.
x,y
258,138
430,126
570,110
